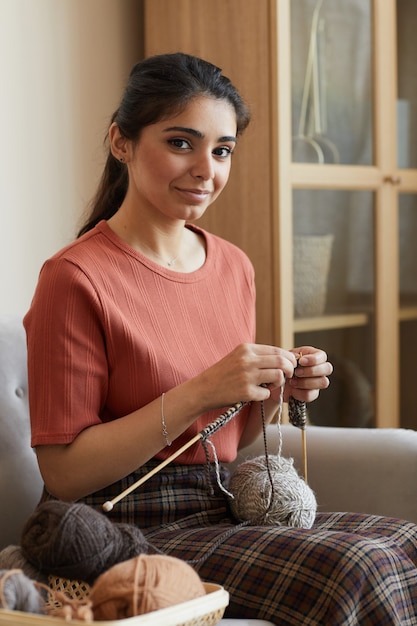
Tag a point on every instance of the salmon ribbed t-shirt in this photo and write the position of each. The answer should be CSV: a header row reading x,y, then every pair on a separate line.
x,y
108,331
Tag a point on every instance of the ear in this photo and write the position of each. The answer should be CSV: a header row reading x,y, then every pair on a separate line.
x,y
119,145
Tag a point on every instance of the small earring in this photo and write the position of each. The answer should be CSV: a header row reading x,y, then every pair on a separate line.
x,y
121,159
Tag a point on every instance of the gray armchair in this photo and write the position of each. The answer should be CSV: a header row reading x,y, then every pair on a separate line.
x,y
20,481
362,470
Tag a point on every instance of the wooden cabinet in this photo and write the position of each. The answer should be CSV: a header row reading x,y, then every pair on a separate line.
x,y
329,153
235,36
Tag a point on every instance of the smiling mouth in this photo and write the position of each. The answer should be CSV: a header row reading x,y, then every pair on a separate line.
x,y
194,196
200,192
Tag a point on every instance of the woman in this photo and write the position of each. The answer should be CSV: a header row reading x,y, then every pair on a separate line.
x,y
140,333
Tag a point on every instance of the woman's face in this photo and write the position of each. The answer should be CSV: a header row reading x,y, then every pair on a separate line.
x,y
181,164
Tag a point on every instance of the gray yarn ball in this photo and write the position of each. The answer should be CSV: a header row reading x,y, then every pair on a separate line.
x,y
294,501
18,592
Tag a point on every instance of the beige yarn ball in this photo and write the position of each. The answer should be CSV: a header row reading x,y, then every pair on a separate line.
x,y
294,501
143,584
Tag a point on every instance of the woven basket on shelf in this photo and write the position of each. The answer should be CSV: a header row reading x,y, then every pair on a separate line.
x,y
311,262
206,610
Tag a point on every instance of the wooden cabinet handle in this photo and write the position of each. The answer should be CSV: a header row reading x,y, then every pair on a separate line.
x,y
394,180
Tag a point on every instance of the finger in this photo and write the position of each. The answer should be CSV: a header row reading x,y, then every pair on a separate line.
x,y
303,395
260,393
309,383
262,350
273,371
308,355
275,377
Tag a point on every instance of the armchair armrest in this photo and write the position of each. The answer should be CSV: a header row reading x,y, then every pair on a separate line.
x,y
362,470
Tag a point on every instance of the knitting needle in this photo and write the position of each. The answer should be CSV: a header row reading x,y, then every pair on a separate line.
x,y
298,417
108,506
304,434
304,443
210,429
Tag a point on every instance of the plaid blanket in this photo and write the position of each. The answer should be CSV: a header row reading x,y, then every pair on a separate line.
x,y
348,569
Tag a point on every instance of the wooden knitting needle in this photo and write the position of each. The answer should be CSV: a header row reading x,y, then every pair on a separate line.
x,y
207,431
304,443
108,506
298,417
297,414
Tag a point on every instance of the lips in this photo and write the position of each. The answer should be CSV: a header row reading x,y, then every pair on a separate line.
x,y
195,195
203,192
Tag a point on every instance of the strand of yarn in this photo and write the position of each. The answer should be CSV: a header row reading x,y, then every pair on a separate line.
x,y
267,465
279,421
197,563
259,519
60,604
206,443
18,592
70,610
223,419
268,490
205,435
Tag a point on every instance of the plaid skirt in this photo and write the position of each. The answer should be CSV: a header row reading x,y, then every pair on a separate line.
x,y
348,569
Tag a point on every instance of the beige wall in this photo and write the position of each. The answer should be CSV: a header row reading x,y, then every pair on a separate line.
x,y
63,64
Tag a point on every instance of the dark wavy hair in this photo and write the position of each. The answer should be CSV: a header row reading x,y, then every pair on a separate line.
x,y
158,87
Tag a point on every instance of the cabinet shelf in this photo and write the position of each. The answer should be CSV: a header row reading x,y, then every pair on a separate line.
x,y
329,322
346,320
408,313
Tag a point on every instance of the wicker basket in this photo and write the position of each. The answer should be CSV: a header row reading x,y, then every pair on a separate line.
x,y
311,258
204,611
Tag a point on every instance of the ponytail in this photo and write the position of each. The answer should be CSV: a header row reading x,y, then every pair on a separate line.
x,y
110,193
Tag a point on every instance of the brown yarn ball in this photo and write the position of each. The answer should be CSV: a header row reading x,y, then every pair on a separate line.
x,y
73,540
143,584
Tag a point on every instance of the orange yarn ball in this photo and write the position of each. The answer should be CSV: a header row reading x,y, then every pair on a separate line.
x,y
143,584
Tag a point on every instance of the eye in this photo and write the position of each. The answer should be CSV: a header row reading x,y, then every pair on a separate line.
x,y
181,144
223,152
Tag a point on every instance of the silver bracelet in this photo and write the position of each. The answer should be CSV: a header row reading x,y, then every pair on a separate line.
x,y
164,426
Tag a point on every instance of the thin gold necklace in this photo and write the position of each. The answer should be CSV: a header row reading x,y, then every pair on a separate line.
x,y
171,262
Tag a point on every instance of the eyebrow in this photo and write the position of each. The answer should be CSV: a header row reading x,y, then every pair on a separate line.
x,y
197,133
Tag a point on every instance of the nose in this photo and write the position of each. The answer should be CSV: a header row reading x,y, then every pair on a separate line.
x,y
203,166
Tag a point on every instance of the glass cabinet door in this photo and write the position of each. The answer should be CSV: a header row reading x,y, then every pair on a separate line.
x,y
407,162
334,289
407,83
345,203
408,310
331,69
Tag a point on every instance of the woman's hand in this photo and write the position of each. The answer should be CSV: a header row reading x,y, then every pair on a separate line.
x,y
240,374
303,382
310,375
